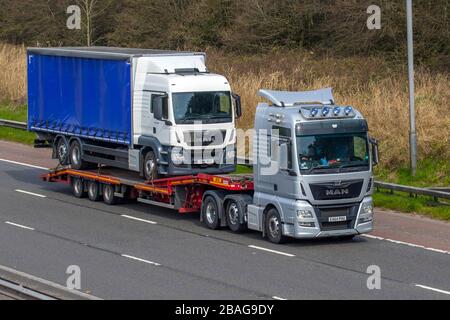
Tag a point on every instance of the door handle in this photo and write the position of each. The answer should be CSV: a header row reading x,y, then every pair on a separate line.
x,y
275,187
154,130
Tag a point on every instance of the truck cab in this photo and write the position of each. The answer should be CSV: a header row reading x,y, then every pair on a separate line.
x,y
184,115
313,163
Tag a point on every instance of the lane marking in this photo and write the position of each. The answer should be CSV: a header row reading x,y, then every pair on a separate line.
x,y
31,193
272,251
279,298
138,219
141,260
23,164
19,225
406,243
432,289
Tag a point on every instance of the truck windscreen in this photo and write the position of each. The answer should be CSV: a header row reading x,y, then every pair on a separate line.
x,y
205,107
333,153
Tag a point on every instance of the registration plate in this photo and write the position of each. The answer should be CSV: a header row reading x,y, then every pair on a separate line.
x,y
337,219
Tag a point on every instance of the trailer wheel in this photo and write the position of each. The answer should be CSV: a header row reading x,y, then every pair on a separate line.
x,y
234,211
274,228
93,191
150,166
62,150
210,212
108,195
78,188
75,156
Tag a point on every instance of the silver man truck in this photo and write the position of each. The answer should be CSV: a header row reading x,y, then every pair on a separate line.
x,y
312,175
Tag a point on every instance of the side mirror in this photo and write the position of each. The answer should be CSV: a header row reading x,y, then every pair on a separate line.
x,y
374,144
238,106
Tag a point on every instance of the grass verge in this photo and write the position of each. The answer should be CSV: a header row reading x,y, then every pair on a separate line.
x,y
17,113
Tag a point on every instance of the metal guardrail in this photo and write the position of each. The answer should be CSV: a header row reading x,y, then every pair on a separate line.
x,y
13,124
436,194
432,192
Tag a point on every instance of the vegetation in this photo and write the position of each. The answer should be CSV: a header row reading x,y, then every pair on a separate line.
x,y
284,44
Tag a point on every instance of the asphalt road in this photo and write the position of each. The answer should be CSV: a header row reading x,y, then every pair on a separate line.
x,y
165,255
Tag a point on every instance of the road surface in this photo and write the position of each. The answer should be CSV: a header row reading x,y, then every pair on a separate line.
x,y
136,251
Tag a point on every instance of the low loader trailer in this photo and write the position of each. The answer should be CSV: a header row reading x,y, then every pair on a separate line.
x,y
312,175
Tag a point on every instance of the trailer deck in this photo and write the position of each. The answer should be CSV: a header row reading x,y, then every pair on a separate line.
x,y
182,193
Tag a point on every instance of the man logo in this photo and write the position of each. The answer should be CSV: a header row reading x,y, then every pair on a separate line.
x,y
337,192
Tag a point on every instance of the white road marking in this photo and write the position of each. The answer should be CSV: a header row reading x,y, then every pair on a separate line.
x,y
31,193
141,260
19,225
24,164
432,289
406,244
278,298
138,219
272,251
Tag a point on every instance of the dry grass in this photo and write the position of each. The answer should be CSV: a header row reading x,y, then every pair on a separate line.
x,y
377,88
12,74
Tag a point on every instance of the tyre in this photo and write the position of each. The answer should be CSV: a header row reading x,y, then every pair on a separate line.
x,y
210,212
234,211
150,166
78,188
108,195
75,156
274,227
93,191
62,151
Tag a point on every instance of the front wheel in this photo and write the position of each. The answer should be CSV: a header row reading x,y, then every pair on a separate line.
x,y
150,166
274,227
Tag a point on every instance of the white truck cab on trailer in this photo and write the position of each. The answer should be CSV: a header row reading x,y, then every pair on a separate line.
x,y
191,120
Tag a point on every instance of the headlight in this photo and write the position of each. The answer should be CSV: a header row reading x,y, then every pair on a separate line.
x,y
367,209
177,156
366,213
304,214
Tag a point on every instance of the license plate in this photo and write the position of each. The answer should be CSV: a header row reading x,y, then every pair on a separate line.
x,y
337,219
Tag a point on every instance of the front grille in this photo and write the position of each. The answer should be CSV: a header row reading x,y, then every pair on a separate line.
x,y
333,190
324,213
205,138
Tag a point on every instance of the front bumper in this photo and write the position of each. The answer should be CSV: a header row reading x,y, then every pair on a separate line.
x,y
353,226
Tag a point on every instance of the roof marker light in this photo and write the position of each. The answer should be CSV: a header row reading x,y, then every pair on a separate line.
x,y
314,112
336,111
325,111
348,110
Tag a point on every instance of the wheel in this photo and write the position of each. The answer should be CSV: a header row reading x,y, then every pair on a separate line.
x,y
93,191
61,151
75,156
274,227
150,166
210,212
78,188
108,195
233,213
